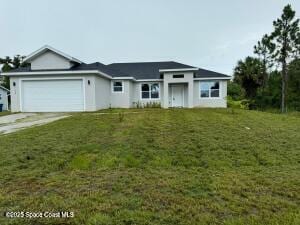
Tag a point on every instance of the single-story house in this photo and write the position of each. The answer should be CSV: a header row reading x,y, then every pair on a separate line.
x,y
4,97
57,82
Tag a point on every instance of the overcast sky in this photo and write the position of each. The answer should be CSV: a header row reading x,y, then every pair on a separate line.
x,y
210,34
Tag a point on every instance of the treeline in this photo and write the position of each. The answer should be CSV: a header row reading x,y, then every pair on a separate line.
x,y
7,64
272,78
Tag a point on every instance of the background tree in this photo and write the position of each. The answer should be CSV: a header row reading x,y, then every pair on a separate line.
x,y
6,64
9,64
264,50
250,75
269,96
285,46
294,84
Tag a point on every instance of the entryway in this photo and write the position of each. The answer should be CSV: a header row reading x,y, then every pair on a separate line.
x,y
177,95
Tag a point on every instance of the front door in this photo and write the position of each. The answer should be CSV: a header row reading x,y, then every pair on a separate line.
x,y
177,96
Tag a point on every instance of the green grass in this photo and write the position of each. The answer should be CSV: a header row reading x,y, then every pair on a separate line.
x,y
4,113
196,166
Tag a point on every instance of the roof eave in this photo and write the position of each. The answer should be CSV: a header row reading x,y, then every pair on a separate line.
x,y
179,69
45,73
47,47
4,88
213,78
123,78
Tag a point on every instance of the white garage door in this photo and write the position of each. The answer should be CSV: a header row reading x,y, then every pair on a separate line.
x,y
52,95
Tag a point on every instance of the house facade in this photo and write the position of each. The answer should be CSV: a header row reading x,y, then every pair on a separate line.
x,y
57,82
4,98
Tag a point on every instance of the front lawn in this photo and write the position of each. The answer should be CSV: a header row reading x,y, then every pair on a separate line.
x,y
181,166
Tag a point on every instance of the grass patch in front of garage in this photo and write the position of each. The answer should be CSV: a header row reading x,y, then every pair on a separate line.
x,y
5,113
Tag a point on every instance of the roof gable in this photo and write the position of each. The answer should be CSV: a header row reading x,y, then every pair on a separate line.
x,y
48,58
46,48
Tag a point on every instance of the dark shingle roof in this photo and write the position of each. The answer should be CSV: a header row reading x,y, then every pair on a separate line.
x,y
139,70
146,70
21,69
102,68
92,66
202,73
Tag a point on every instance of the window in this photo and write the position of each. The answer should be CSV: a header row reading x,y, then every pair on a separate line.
x,y
178,76
117,86
150,91
210,89
0,96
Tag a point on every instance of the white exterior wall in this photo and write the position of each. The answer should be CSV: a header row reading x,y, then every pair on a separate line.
x,y
89,90
98,94
50,60
220,102
14,94
102,93
121,99
4,99
131,94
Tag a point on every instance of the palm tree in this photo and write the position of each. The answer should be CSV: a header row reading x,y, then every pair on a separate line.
x,y
250,75
6,64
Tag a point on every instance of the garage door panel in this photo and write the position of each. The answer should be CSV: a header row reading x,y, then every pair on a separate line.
x,y
52,95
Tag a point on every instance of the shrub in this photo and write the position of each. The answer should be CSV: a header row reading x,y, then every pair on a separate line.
x,y
235,91
121,116
141,105
152,105
233,103
138,104
241,104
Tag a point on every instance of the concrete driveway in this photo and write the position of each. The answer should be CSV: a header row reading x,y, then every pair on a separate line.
x,y
14,122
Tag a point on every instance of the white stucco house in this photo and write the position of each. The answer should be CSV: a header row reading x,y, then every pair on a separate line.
x,y
4,98
57,82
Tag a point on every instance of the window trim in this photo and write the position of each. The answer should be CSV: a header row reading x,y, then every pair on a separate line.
x,y
220,90
112,87
147,99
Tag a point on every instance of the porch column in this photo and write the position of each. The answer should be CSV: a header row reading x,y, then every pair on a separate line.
x,y
165,101
190,94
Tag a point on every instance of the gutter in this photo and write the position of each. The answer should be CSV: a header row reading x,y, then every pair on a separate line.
x,y
213,78
31,73
45,73
179,69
